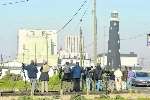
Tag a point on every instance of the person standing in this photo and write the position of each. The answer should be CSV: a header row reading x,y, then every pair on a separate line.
x,y
111,84
124,78
66,81
44,77
88,74
76,75
118,79
98,77
32,74
131,75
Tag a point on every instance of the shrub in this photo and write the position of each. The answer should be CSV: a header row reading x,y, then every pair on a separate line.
x,y
77,97
118,97
25,98
54,82
11,76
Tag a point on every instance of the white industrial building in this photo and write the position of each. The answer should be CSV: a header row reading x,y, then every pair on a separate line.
x,y
39,45
129,60
71,52
72,46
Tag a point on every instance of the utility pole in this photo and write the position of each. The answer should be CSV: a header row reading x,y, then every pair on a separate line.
x,y
94,29
81,55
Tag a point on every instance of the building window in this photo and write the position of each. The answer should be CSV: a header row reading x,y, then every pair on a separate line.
x,y
115,23
111,27
43,33
33,33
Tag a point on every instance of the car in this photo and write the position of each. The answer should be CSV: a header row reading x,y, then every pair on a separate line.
x,y
141,79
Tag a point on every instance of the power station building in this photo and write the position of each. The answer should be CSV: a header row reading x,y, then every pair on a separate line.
x,y
38,45
72,46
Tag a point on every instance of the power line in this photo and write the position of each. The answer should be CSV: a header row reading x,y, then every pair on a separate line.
x,y
13,2
72,16
133,37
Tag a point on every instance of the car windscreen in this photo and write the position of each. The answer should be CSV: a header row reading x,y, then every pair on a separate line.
x,y
142,74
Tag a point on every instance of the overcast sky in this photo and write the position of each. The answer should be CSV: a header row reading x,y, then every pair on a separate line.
x,y
53,14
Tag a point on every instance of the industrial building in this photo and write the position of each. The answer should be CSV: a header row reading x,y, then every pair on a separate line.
x,y
38,45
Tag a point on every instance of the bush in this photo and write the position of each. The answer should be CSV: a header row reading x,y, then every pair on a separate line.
x,y
77,97
54,82
13,81
11,76
118,97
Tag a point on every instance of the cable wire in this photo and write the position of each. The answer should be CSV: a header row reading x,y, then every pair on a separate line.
x,y
12,3
133,37
65,25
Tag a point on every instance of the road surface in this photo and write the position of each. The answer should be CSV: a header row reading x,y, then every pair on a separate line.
x,y
142,89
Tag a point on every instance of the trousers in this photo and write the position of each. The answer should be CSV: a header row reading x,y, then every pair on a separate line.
x,y
44,86
33,85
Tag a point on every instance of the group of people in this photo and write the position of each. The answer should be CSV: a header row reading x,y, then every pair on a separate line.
x,y
121,80
71,75
90,77
94,78
32,74
74,76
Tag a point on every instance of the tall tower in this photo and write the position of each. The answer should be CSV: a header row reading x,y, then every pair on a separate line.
x,y
113,57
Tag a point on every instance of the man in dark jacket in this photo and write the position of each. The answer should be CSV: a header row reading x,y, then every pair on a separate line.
x,y
89,76
32,74
98,77
66,81
76,74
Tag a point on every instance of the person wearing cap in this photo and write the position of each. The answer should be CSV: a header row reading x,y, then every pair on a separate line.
x,y
44,77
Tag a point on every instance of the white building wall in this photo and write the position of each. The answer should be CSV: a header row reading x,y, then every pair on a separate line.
x,y
125,61
31,41
129,61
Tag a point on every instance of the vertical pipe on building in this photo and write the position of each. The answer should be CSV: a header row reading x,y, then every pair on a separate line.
x,y
35,53
47,47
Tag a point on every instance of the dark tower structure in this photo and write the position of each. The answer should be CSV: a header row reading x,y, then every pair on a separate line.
x,y
113,57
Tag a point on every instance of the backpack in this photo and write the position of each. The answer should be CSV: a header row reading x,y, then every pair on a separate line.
x,y
67,74
67,69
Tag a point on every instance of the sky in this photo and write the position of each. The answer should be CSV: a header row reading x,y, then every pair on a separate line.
x,y
53,14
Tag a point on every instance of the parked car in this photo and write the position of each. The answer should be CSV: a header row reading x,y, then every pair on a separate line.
x,y
141,79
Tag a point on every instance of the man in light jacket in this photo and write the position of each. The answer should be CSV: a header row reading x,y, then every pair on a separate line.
x,y
118,79
44,77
